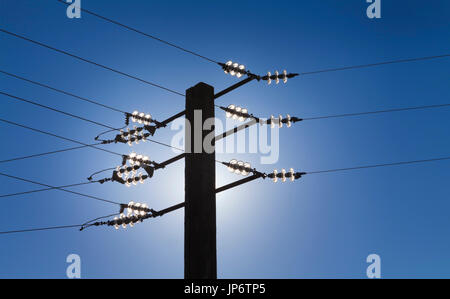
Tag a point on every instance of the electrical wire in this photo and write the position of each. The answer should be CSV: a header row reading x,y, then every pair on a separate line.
x,y
99,218
215,61
377,111
255,120
79,184
142,33
149,140
181,205
75,141
46,189
81,226
90,62
164,164
39,229
372,112
62,91
109,131
49,153
69,114
374,64
60,188
57,110
371,166
101,171
379,165
188,51
166,145
77,117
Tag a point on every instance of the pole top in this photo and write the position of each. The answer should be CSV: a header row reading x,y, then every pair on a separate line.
x,y
201,85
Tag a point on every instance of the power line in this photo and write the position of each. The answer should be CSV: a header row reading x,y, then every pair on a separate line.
x,y
62,91
378,111
374,64
181,205
68,139
166,145
181,94
144,163
39,229
99,218
379,165
289,120
46,189
76,116
49,153
57,136
215,61
75,141
81,226
59,188
143,33
108,131
131,138
101,171
90,62
160,165
57,110
66,113
263,175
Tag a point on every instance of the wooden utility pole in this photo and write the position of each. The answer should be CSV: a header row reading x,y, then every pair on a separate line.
x,y
200,256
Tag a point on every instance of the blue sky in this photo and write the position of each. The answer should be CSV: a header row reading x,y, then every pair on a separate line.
x,y
321,226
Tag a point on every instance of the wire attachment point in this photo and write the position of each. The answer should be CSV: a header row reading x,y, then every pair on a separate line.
x,y
277,77
284,176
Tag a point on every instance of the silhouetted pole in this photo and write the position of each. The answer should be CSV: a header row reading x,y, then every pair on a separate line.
x,y
200,257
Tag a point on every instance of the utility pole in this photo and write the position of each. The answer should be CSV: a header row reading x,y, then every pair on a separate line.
x,y
200,249
200,255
